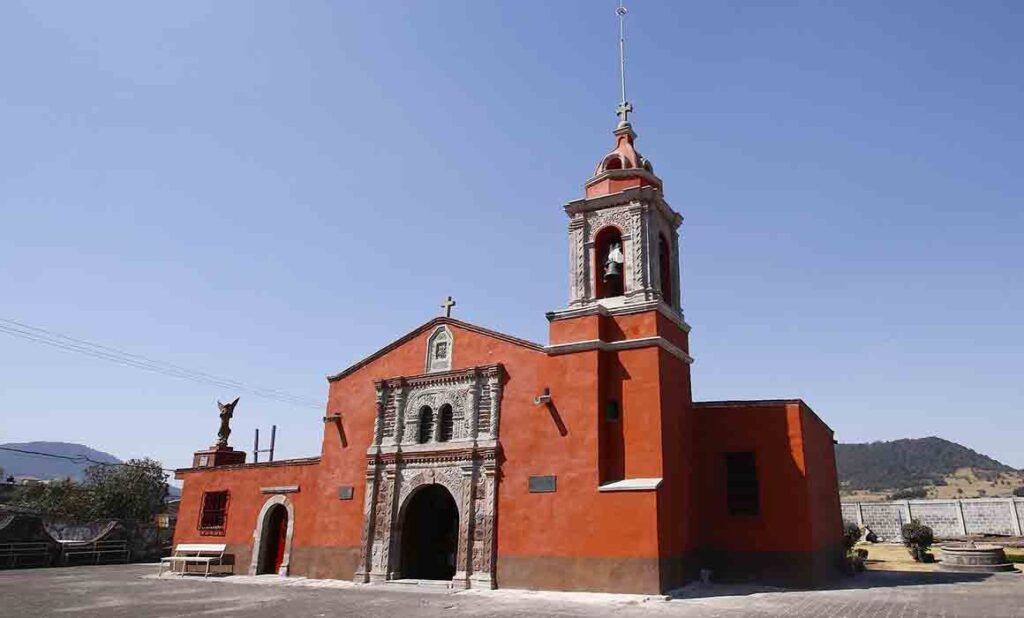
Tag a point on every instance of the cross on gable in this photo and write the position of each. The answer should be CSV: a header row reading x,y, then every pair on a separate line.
x,y
447,306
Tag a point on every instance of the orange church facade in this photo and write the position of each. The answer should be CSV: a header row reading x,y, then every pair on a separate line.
x,y
467,455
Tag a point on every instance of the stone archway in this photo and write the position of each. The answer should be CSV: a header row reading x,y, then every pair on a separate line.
x,y
276,516
429,542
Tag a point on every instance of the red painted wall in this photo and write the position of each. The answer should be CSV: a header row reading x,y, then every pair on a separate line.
x,y
792,450
660,434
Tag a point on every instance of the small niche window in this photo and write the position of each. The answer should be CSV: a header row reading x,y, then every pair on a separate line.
x,y
611,411
426,425
447,429
213,512
439,350
742,487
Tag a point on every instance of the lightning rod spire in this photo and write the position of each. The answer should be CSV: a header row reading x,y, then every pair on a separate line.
x,y
625,107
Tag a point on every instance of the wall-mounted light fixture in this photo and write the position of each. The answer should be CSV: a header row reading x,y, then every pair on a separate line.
x,y
544,397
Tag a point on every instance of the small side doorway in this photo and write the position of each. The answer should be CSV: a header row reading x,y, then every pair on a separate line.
x,y
275,532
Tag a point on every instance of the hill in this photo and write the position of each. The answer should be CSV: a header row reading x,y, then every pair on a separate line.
x,y
918,462
35,466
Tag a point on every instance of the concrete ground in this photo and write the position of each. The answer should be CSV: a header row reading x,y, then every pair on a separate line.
x,y
134,591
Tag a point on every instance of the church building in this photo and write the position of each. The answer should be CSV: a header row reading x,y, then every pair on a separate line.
x,y
462,454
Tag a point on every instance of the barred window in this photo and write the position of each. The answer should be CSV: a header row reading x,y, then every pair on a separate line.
x,y
213,515
742,487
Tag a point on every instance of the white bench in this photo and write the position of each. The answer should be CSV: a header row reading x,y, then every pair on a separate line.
x,y
194,553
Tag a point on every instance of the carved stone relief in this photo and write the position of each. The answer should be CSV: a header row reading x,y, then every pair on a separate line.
x,y
466,466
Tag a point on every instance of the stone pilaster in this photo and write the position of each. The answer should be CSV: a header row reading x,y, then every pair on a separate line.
x,y
371,486
464,556
494,384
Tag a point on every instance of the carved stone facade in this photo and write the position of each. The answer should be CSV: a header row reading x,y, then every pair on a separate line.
x,y
399,463
642,217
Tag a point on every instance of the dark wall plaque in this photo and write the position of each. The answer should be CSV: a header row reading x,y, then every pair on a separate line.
x,y
542,484
345,492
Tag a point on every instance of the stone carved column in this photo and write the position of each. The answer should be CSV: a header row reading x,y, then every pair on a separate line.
x,y
640,254
371,486
382,528
463,562
378,421
577,262
472,414
494,384
483,542
400,423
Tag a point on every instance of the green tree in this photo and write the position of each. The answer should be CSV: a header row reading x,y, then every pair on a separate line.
x,y
64,499
134,490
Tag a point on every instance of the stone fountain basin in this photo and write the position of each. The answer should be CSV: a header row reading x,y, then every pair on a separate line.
x,y
974,558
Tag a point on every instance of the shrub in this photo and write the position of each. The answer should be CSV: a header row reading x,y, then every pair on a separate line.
x,y
851,534
1019,492
917,538
913,493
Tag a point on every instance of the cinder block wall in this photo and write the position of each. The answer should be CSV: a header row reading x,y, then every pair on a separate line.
x,y
948,518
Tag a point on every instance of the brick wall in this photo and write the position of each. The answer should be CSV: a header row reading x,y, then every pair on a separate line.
x,y
947,518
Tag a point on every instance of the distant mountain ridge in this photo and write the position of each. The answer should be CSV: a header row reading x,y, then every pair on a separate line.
x,y
35,466
910,462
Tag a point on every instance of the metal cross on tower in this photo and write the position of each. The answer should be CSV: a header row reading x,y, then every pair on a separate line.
x,y
625,107
447,306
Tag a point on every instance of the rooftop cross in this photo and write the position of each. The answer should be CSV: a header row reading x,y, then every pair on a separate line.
x,y
625,107
447,306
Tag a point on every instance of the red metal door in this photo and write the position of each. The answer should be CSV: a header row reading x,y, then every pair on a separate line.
x,y
282,533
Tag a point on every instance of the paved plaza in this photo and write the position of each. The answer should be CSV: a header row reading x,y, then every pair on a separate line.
x,y
134,591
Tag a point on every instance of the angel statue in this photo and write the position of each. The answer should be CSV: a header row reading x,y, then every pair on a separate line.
x,y
226,410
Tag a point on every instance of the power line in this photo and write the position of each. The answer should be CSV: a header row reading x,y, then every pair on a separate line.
x,y
79,459
121,357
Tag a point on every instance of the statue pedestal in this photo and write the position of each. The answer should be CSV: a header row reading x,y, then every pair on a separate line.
x,y
217,456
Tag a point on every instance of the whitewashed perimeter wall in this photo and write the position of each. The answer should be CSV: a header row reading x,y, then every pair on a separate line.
x,y
947,518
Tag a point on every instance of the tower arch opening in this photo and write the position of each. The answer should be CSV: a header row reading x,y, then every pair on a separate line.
x,y
665,269
610,263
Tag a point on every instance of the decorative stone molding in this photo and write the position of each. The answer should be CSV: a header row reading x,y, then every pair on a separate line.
x,y
474,395
641,216
284,489
466,466
258,536
440,346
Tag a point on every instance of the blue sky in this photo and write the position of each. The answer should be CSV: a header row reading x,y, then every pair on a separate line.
x,y
271,191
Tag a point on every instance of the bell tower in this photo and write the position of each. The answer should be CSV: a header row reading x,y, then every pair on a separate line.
x,y
623,235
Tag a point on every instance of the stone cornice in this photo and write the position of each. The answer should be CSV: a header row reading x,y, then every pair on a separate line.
x,y
649,195
444,454
596,308
281,463
627,344
443,378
